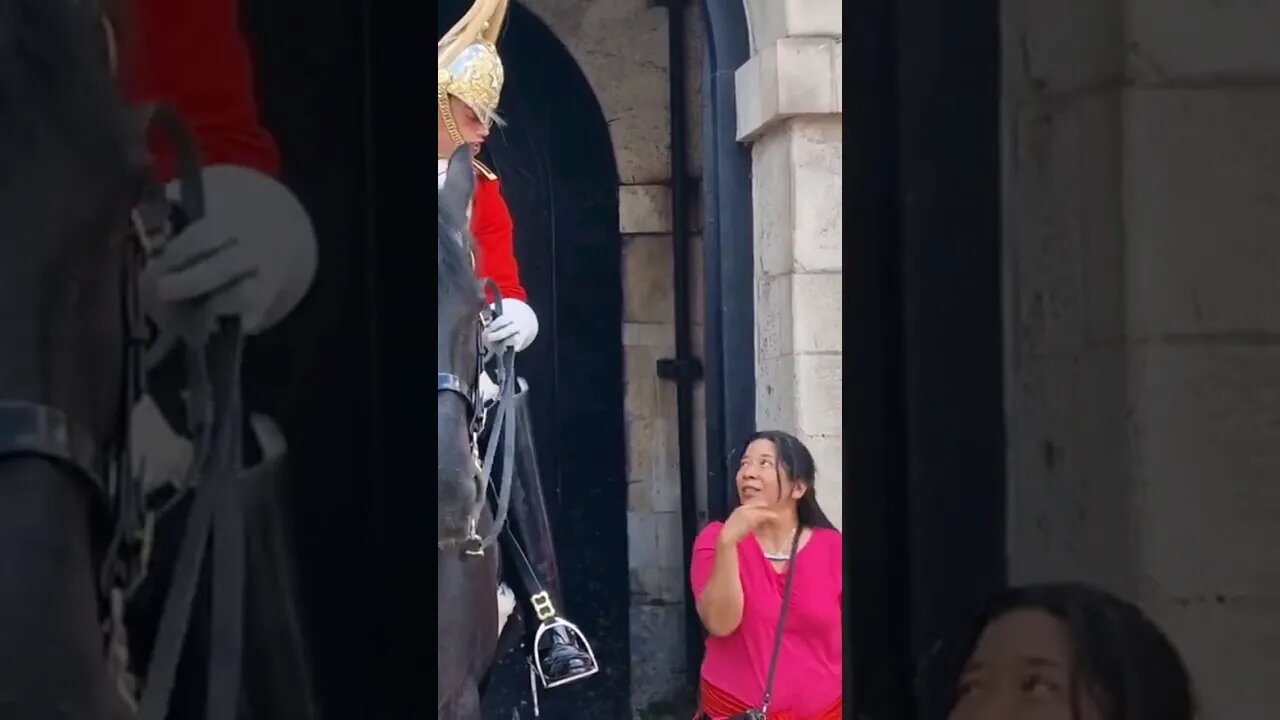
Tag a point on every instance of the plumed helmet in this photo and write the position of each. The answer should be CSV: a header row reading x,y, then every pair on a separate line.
x,y
468,66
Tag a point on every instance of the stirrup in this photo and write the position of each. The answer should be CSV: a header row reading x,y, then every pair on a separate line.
x,y
579,639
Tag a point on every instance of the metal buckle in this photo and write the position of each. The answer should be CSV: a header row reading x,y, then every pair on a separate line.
x,y
474,543
579,637
542,606
149,236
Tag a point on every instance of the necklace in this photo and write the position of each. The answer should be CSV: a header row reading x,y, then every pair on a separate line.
x,y
778,557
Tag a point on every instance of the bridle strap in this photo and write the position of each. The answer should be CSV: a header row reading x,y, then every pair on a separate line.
x,y
505,432
215,416
505,419
35,430
217,510
475,545
448,382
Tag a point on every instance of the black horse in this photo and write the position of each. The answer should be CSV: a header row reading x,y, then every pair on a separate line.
x,y
70,169
467,621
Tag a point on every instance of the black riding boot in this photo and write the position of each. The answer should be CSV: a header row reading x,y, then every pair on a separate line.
x,y
561,653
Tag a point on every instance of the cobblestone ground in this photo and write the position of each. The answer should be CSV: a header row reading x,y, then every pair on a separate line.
x,y
680,707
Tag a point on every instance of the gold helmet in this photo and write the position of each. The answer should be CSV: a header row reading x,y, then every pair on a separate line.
x,y
468,66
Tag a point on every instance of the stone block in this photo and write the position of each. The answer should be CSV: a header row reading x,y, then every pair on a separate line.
x,y
793,77
1202,211
660,335
775,316
1057,47
644,210
657,557
642,545
647,295
657,642
773,20
642,396
796,189
643,435
817,157
639,495
828,459
1231,647
1069,461
1173,40
771,193
818,313
1063,225
671,552
695,60
666,486
818,393
1207,434
838,72
621,47
776,392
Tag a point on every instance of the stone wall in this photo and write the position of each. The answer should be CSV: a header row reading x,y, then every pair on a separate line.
x,y
790,100
1142,234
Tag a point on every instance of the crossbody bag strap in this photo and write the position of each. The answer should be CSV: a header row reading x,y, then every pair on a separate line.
x,y
782,620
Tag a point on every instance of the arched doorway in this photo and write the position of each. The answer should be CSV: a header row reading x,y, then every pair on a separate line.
x,y
555,160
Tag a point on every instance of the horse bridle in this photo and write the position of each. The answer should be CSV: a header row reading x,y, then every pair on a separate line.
x,y
34,430
447,382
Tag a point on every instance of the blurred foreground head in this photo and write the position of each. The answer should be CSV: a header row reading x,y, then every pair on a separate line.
x,y
1068,652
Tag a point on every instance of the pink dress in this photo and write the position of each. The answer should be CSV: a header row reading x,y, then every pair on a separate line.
x,y
810,668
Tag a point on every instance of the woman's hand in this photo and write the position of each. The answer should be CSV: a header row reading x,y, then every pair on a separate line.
x,y
742,521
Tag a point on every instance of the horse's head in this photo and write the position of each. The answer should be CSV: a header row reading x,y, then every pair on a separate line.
x,y
70,168
457,354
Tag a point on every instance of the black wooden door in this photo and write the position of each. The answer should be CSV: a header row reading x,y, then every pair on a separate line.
x,y
925,517
555,161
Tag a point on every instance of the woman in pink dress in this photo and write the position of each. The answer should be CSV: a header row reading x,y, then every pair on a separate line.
x,y
739,571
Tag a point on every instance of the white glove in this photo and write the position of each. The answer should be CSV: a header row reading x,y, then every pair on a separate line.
x,y
158,452
515,328
489,391
253,255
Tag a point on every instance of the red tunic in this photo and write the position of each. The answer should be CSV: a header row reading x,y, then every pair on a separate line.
x,y
191,54
495,246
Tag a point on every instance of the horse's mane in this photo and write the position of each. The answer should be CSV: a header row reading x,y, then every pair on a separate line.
x,y
453,249
63,125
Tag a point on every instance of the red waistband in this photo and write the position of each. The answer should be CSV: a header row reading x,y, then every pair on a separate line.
x,y
717,703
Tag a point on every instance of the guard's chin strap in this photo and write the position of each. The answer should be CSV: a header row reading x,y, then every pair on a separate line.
x,y
446,114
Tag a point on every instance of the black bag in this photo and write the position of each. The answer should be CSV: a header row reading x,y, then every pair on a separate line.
x,y
759,713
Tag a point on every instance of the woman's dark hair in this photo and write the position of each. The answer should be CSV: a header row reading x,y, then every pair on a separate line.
x,y
1120,659
796,461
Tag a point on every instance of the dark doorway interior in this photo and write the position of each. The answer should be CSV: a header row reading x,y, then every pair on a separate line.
x,y
555,161
315,371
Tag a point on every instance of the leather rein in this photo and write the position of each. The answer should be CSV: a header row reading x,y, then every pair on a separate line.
x,y
34,430
475,545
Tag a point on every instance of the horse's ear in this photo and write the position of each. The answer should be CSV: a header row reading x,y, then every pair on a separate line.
x,y
461,177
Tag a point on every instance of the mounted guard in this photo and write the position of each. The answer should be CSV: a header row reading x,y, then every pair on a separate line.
x,y
469,82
